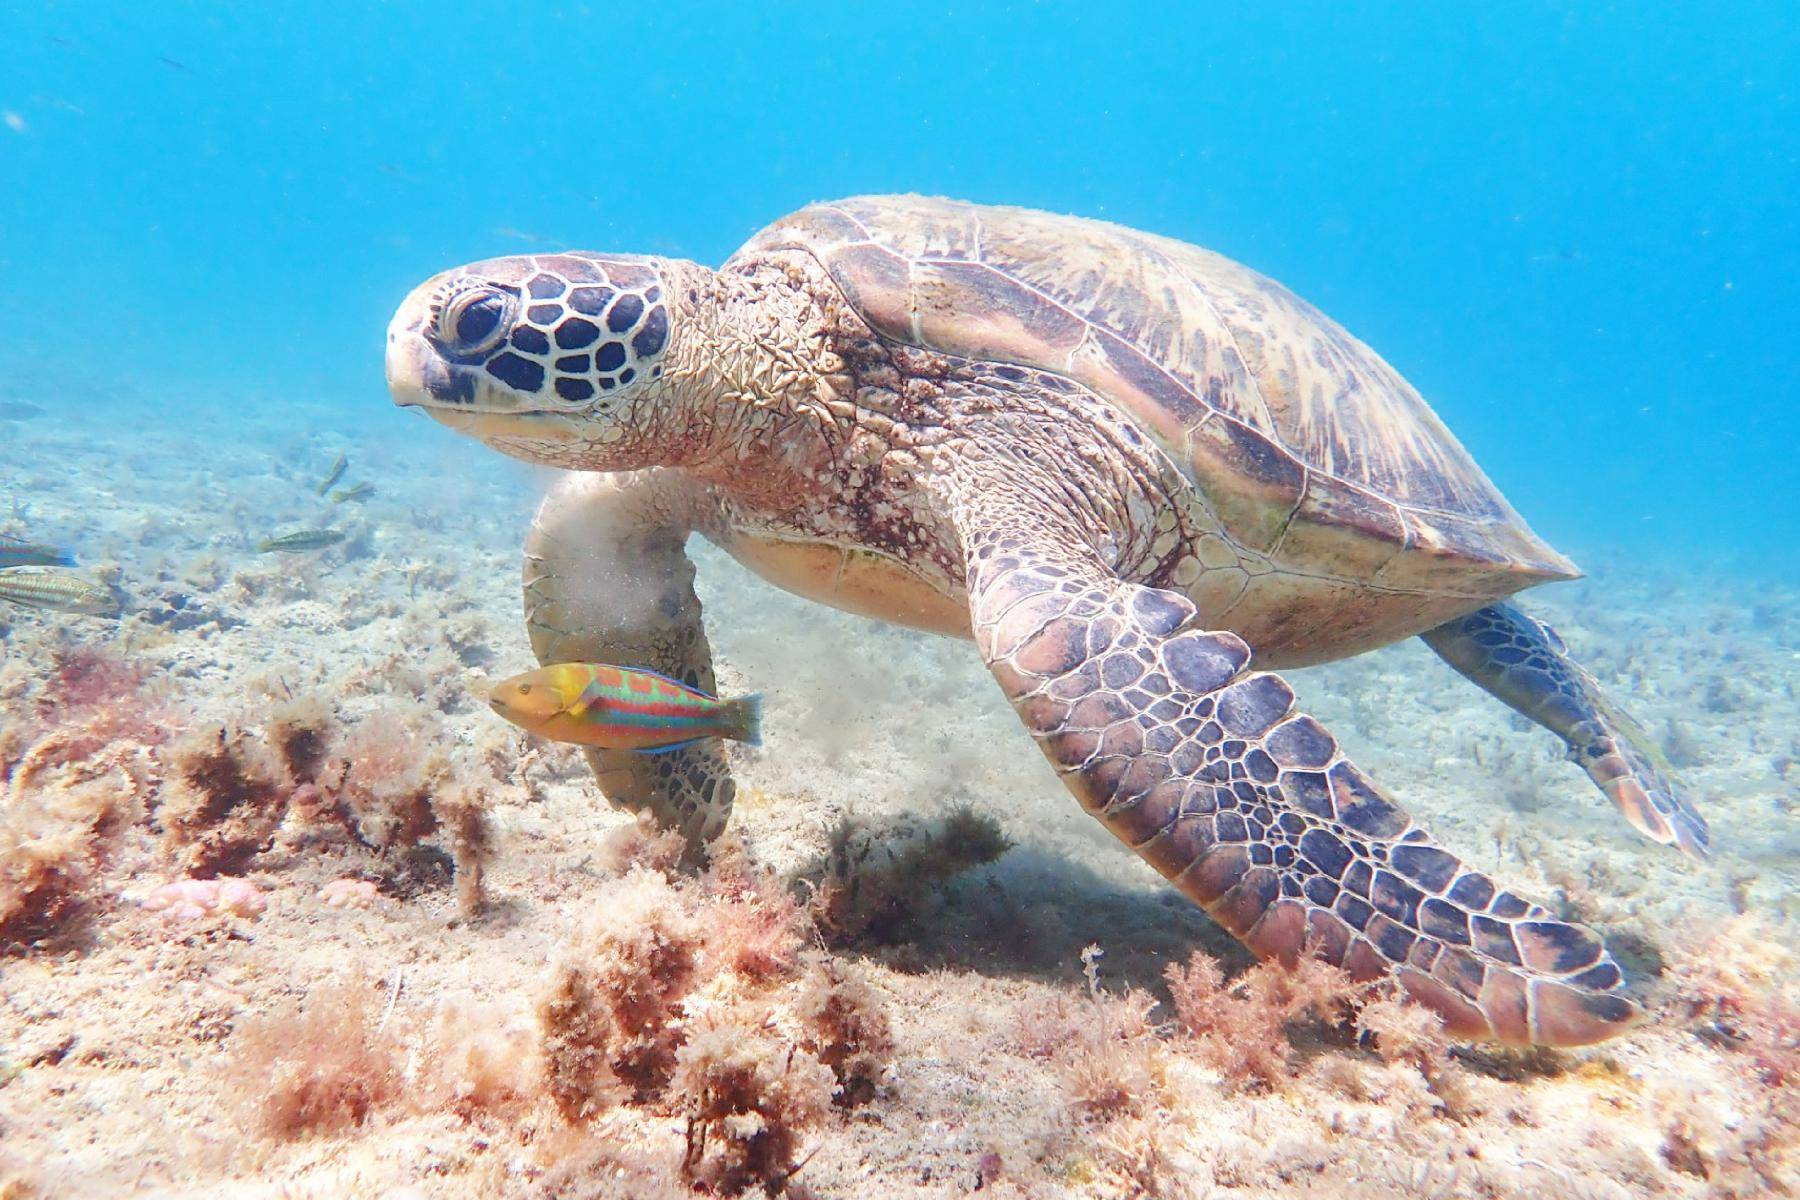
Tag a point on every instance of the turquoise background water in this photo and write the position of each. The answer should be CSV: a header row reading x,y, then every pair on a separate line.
x,y
1572,226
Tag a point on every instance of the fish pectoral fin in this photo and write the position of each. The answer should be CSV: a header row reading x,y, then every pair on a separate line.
x,y
669,748
586,702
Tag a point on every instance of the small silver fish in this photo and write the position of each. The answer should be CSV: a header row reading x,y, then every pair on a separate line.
x,y
356,492
300,540
16,552
332,476
63,591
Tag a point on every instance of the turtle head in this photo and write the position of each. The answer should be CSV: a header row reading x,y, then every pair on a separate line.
x,y
552,358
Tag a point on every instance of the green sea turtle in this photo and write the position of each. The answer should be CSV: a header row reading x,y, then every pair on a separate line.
x,y
1135,473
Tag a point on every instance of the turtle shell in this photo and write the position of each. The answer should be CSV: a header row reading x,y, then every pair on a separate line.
x,y
1308,449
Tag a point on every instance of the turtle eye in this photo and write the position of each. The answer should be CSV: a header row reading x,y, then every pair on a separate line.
x,y
474,320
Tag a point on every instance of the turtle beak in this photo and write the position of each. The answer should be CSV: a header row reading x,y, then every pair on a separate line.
x,y
405,376
416,376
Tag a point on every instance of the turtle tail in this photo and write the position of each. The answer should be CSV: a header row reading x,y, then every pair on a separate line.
x,y
743,719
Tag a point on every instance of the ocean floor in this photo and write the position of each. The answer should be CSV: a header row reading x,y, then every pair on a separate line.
x,y
456,973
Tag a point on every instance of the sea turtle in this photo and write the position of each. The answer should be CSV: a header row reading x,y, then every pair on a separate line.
x,y
1137,474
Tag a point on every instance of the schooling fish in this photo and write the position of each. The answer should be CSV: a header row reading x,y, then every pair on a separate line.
x,y
63,591
357,492
616,708
15,552
299,540
336,473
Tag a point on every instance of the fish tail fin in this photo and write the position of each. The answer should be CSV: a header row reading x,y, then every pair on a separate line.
x,y
743,719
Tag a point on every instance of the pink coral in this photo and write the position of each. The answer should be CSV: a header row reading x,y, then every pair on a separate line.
x,y
348,893
194,899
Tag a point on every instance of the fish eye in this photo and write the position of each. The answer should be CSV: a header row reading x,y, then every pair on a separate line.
x,y
474,319
524,689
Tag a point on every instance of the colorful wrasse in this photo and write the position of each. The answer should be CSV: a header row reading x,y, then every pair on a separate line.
x,y
63,591
616,708
15,552
336,473
301,539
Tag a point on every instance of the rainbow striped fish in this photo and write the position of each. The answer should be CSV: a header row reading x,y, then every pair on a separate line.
x,y
15,552
617,708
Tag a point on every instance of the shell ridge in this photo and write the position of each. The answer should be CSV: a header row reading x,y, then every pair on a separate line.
x,y
1092,329
1231,339
868,234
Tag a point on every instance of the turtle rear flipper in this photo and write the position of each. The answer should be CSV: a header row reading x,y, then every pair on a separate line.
x,y
1525,664
1208,771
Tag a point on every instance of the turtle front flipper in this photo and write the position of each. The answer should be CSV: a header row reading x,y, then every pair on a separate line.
x,y
608,579
1525,664
1208,771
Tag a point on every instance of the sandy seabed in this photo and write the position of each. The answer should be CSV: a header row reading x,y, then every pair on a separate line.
x,y
419,1031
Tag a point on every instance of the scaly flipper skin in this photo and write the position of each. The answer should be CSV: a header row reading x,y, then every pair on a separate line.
x,y
608,579
1208,771
1525,664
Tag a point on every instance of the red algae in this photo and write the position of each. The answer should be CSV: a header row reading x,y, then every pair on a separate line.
x,y
84,676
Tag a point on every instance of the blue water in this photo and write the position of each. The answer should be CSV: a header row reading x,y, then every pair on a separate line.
x,y
1572,226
